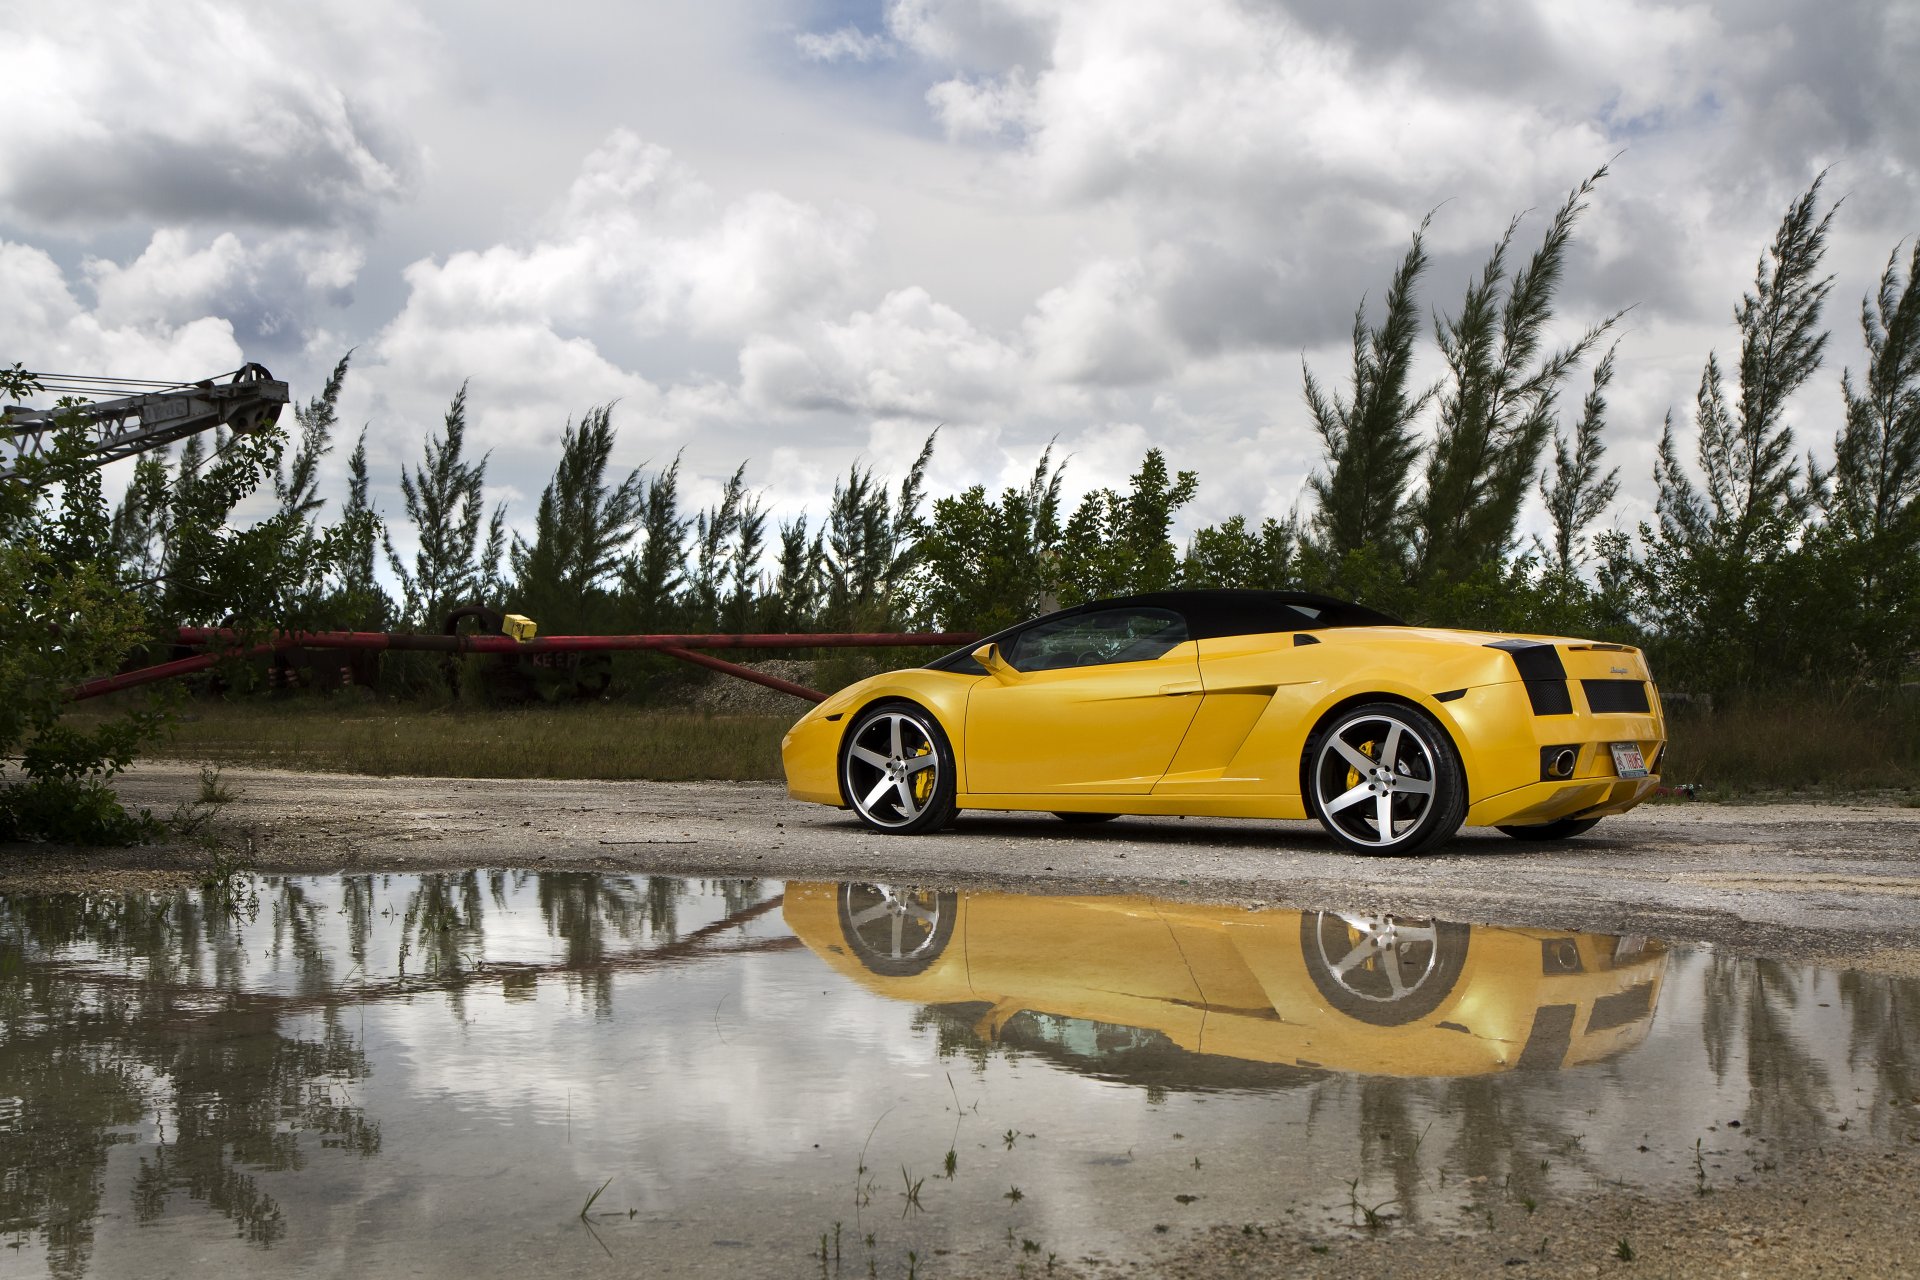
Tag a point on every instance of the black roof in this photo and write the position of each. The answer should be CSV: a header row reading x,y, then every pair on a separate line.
x,y
1215,613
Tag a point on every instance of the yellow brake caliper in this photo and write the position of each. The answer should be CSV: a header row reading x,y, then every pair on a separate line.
x,y
923,780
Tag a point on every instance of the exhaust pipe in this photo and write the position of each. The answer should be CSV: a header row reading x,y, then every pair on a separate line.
x,y
1561,766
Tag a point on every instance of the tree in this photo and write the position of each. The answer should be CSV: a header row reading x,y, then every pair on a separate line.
x,y
1234,554
871,543
716,532
1369,438
581,529
1118,545
982,565
1871,543
651,578
297,486
1496,411
1722,555
1577,492
359,602
444,500
797,580
69,609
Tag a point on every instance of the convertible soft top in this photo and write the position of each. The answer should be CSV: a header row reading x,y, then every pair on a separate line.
x,y
1212,614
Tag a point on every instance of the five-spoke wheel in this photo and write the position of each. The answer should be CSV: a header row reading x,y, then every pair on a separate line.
x,y
1385,778
1382,969
896,930
896,769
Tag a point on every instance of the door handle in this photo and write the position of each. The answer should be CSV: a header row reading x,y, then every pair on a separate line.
x,y
1181,686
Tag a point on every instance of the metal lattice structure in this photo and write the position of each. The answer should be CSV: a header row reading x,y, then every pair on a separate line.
x,y
140,414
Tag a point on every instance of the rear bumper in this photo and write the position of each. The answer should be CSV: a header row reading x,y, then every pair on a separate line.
x,y
1550,801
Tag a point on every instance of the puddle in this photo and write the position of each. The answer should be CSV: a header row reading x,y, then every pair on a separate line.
x,y
434,1074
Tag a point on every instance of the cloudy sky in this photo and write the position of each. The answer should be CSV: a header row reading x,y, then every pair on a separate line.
x,y
804,232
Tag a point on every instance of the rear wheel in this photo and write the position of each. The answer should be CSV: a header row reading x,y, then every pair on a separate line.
x,y
1563,829
1384,778
896,769
1383,970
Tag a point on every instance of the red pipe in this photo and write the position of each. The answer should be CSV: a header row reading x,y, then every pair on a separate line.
x,y
745,673
402,640
673,646
148,675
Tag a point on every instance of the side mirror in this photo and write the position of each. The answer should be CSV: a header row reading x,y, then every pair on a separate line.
x,y
988,656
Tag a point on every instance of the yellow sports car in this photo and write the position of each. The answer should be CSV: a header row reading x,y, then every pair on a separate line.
x,y
1338,990
1246,704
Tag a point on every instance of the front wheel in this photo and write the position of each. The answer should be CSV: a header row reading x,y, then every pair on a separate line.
x,y
896,769
1563,829
1384,778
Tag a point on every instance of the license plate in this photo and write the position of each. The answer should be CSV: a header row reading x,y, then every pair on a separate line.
x,y
1627,760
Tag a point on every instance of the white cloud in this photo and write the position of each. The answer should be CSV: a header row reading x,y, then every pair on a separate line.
x,y
46,328
205,112
848,44
910,356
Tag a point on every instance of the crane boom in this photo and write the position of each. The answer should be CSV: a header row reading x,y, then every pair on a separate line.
x,y
142,415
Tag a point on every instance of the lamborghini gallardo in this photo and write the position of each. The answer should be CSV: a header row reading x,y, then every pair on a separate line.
x,y
1347,991
1246,704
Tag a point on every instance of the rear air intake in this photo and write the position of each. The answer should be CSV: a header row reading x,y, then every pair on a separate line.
x,y
1616,696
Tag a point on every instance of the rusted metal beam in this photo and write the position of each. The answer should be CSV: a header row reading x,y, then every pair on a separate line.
x,y
164,671
744,673
413,641
243,644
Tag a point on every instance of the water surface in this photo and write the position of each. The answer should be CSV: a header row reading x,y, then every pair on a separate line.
x,y
435,1074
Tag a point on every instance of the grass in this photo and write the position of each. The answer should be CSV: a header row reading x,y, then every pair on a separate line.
x,y
1791,743
1797,742
598,742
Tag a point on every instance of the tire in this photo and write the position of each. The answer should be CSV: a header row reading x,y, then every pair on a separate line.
x,y
896,930
1562,829
896,769
1384,778
1381,969
1085,819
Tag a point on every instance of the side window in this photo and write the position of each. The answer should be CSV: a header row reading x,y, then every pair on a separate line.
x,y
1097,639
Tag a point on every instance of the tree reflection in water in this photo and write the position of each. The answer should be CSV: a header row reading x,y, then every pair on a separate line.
x,y
132,1019
95,1058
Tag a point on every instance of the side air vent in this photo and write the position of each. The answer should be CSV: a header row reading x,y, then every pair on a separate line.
x,y
1616,696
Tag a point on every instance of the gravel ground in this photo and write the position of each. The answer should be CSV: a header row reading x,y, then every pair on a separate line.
x,y
1835,884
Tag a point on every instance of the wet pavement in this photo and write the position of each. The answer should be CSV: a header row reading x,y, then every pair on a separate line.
x,y
495,1072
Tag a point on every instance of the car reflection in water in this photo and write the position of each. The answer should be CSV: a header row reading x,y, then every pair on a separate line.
x,y
1180,993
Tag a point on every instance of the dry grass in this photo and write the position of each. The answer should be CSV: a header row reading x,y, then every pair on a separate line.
x,y
1797,743
608,741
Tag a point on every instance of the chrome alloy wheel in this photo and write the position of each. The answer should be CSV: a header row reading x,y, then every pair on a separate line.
x,y
1374,779
891,770
896,929
1377,957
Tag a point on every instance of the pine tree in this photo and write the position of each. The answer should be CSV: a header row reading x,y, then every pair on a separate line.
x,y
1118,545
652,577
297,485
445,502
1370,439
981,564
581,529
1577,492
1717,561
1876,471
1496,411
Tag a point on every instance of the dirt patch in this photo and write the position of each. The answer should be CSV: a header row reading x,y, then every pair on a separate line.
x,y
1827,1215
1832,885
